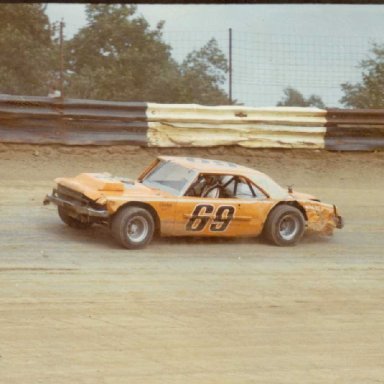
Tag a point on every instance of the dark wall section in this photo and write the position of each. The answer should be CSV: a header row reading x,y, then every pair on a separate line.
x,y
354,130
73,122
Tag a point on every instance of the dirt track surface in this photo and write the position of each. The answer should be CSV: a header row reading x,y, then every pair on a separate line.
x,y
76,308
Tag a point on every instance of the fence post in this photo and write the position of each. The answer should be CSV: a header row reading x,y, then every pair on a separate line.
x,y
230,66
62,59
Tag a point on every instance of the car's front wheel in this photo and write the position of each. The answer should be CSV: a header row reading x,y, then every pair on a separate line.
x,y
285,225
133,227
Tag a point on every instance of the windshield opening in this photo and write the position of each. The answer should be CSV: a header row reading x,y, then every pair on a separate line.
x,y
169,177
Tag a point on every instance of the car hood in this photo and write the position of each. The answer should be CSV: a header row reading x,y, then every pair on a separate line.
x,y
99,186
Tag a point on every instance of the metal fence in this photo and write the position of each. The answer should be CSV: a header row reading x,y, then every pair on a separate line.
x,y
41,120
263,65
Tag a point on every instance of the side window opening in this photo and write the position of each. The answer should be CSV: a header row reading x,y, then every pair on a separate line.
x,y
244,190
223,186
239,187
206,185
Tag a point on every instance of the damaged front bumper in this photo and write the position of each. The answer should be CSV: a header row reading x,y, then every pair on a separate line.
x,y
76,207
339,221
324,218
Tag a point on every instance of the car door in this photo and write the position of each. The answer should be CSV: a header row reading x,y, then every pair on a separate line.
x,y
242,214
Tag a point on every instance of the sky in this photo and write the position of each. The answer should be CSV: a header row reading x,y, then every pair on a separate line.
x,y
310,47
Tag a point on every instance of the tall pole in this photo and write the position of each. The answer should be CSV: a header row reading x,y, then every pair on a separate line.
x,y
62,58
230,66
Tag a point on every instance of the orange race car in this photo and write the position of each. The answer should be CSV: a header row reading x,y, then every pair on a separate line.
x,y
185,196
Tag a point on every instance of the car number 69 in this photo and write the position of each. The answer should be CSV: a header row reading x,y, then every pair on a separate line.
x,y
202,213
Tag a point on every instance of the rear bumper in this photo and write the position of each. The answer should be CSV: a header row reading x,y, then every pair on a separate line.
x,y
76,207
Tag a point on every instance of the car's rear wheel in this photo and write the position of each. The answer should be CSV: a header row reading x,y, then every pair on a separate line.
x,y
285,225
71,221
133,227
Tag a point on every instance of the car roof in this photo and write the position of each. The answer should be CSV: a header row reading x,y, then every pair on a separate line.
x,y
211,166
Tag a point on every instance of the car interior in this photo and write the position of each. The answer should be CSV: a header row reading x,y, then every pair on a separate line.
x,y
222,186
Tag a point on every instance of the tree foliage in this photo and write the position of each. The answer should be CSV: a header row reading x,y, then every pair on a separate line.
x,y
293,98
26,47
118,57
369,93
202,73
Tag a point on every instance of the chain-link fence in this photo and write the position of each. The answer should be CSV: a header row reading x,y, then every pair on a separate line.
x,y
263,65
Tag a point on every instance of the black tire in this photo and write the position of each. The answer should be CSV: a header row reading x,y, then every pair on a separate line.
x,y
285,225
71,221
133,227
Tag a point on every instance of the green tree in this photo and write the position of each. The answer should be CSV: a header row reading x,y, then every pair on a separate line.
x,y
369,93
118,57
293,98
203,72
26,47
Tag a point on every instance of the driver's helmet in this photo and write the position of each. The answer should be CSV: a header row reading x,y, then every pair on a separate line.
x,y
210,180
199,186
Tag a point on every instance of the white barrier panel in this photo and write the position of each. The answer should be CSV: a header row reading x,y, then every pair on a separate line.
x,y
173,125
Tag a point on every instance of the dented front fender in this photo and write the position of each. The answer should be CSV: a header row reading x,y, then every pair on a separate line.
x,y
323,218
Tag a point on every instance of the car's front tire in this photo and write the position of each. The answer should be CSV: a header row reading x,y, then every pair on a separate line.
x,y
133,227
285,225
71,221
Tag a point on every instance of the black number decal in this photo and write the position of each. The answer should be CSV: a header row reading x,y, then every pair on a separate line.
x,y
224,216
202,213
200,217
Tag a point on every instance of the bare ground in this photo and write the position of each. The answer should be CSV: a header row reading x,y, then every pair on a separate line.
x,y
76,308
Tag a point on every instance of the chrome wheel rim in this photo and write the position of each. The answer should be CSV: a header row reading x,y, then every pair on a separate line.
x,y
137,229
289,227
